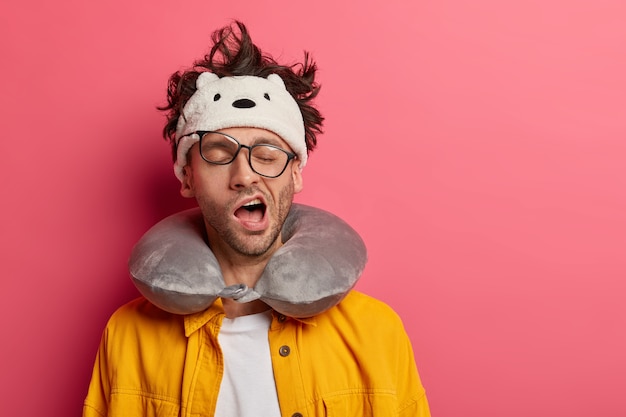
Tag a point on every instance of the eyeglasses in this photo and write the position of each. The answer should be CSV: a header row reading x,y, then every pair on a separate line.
x,y
221,149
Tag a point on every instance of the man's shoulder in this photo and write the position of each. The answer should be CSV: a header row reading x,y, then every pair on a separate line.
x,y
361,301
362,308
139,306
361,317
141,313
136,333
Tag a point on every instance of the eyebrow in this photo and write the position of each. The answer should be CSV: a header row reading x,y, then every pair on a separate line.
x,y
262,140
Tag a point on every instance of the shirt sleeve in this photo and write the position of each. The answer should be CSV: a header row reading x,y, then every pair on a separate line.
x,y
412,395
96,402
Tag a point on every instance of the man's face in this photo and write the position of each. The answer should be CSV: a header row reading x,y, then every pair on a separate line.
x,y
243,211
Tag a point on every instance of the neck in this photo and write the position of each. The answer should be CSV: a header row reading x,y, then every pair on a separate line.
x,y
237,268
234,309
247,274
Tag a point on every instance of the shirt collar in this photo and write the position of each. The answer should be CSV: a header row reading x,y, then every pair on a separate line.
x,y
195,321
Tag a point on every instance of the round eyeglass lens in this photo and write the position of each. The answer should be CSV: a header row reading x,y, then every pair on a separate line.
x,y
218,149
268,160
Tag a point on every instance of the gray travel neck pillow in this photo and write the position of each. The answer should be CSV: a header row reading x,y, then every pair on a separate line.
x,y
319,263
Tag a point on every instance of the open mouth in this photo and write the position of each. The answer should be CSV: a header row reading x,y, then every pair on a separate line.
x,y
252,211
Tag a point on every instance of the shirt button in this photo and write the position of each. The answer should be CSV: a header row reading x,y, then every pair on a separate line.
x,y
296,415
284,351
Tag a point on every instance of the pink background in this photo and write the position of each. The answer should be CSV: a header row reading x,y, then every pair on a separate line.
x,y
479,147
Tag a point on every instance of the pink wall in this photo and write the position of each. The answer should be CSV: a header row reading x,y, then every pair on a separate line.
x,y
478,146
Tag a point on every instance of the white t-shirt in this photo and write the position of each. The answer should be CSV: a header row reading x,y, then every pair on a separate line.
x,y
248,388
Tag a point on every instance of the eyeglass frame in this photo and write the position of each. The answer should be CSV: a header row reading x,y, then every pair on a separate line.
x,y
201,133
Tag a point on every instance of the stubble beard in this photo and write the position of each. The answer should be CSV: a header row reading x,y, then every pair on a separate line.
x,y
254,244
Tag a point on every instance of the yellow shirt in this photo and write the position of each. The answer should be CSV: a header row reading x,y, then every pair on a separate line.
x,y
352,360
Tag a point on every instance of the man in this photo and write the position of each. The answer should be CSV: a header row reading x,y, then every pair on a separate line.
x,y
241,127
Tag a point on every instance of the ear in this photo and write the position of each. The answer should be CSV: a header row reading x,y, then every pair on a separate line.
x,y
275,78
186,184
205,79
296,175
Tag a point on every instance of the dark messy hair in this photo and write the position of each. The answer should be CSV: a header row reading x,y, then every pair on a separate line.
x,y
234,53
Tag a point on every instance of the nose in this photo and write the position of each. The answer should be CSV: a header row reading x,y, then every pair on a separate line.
x,y
241,173
243,103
